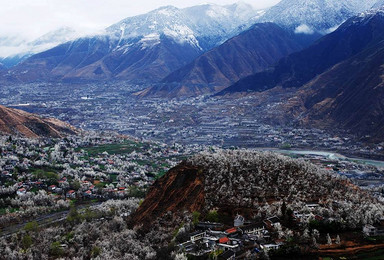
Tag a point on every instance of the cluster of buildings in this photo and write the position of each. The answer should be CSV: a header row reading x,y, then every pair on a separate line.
x,y
231,242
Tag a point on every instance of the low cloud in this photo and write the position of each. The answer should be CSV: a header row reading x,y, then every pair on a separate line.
x,y
304,29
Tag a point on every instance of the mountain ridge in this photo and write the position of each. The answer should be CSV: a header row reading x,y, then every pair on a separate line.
x,y
250,51
298,68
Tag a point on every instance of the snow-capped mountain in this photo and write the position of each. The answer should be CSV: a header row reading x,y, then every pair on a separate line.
x,y
202,26
14,49
144,48
310,16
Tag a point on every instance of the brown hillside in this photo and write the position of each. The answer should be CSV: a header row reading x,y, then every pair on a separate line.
x,y
181,189
18,122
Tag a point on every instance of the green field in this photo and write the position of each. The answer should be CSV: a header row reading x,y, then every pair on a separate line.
x,y
128,147
4,210
122,148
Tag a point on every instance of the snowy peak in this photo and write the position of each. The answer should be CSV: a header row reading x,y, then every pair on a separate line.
x,y
168,21
309,16
365,17
203,25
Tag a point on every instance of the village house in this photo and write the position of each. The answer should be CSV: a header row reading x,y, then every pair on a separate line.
x,y
226,243
21,192
256,229
268,247
272,222
52,188
197,236
371,231
239,221
302,217
71,194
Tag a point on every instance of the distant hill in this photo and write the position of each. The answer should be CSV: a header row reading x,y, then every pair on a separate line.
x,y
253,184
18,122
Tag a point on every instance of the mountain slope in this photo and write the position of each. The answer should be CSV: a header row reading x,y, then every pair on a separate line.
x,y
248,53
143,48
355,35
18,122
349,95
253,184
310,16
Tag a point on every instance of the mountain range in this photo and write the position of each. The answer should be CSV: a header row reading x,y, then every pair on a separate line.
x,y
147,48
144,48
339,77
296,69
251,51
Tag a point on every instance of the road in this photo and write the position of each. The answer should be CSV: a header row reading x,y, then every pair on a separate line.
x,y
42,220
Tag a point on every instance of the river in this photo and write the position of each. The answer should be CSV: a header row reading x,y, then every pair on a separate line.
x,y
330,155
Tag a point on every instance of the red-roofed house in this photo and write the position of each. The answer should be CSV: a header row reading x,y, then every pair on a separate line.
x,y
223,240
21,191
71,194
231,231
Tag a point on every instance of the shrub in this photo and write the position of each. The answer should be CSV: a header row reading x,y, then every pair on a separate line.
x,y
213,216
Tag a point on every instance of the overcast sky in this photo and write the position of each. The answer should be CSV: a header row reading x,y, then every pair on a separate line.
x,y
32,18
